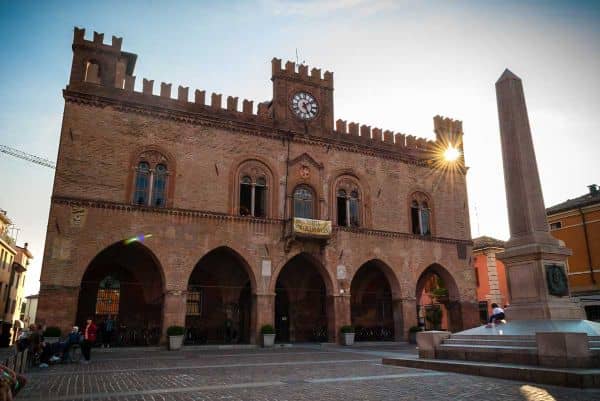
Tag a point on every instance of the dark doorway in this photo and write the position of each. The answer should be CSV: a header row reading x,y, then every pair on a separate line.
x,y
219,300
300,301
124,281
371,304
282,313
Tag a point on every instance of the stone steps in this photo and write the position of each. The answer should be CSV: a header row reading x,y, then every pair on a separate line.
x,y
582,378
490,342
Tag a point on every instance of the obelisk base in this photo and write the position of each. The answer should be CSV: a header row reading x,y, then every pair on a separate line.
x,y
539,286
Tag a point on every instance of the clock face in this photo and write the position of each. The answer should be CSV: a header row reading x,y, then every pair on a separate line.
x,y
304,105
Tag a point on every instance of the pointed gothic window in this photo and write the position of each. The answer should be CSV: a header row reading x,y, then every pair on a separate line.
x,y
348,206
420,215
151,180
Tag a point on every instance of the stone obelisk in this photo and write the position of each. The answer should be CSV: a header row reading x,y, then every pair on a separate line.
x,y
535,261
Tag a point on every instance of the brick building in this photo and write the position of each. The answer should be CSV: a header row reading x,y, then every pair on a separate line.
x,y
167,211
577,223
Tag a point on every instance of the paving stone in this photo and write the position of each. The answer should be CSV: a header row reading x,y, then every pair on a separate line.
x,y
295,373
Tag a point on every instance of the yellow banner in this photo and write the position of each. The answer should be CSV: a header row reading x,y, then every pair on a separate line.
x,y
317,228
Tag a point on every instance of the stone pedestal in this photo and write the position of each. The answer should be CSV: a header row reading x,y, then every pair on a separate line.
x,y
563,350
538,283
428,341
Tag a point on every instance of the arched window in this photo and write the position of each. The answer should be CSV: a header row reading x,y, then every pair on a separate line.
x,y
420,215
92,72
348,209
159,186
151,180
253,196
304,202
107,300
142,184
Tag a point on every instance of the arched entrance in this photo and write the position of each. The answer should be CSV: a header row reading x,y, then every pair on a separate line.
x,y
219,299
438,306
371,307
124,281
301,302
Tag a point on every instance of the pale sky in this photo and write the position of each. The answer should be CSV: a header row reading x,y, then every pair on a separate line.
x,y
396,64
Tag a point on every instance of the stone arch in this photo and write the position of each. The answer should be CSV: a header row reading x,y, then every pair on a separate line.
x,y
139,300
239,257
253,165
428,297
153,155
220,292
374,288
325,274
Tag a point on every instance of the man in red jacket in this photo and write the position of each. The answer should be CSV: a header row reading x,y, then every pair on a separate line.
x,y
89,338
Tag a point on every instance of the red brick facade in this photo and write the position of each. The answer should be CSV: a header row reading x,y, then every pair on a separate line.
x,y
108,128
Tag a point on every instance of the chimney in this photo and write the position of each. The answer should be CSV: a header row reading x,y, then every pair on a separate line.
x,y
593,189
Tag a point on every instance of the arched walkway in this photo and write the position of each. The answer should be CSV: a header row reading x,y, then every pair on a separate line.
x,y
219,299
301,302
126,282
371,306
438,305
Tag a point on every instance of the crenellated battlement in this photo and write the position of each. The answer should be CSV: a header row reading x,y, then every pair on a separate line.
x,y
107,71
97,42
448,131
301,73
376,136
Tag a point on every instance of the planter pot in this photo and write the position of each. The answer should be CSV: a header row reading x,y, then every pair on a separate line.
x,y
412,337
175,342
51,340
347,338
268,340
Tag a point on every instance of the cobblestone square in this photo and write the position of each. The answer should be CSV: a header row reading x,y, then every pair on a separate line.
x,y
290,373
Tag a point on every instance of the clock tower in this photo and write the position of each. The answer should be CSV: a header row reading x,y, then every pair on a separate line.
x,y
302,103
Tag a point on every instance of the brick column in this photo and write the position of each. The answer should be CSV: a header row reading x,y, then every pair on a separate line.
x,y
338,315
57,306
405,316
263,312
174,309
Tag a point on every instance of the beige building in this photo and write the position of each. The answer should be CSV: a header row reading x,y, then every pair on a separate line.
x,y
29,309
13,266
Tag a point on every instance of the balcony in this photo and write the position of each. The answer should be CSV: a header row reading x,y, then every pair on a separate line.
x,y
298,229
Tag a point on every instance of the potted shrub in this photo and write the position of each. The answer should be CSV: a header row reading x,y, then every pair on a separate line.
x,y
440,295
52,334
268,334
347,335
412,334
434,316
175,334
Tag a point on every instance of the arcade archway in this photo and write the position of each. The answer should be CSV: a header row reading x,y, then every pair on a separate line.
x,y
371,306
219,300
124,281
301,304
438,306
